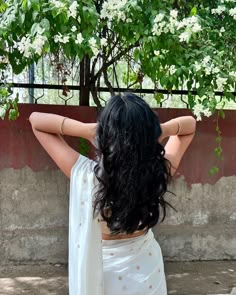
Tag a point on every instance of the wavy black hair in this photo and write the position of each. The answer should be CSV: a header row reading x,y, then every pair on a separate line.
x,y
131,168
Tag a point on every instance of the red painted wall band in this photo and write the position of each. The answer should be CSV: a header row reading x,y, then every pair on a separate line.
x,y
19,147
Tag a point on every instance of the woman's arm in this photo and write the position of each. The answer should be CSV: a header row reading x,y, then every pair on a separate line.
x,y
48,129
180,131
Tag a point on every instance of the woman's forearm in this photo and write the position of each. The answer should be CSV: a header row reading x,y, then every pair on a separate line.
x,y
179,126
52,123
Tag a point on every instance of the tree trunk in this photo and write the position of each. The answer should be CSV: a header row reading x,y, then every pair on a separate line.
x,y
84,81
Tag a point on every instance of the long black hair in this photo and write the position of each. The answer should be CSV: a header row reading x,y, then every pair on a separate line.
x,y
131,168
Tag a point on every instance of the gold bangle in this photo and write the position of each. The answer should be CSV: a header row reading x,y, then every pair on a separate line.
x,y
62,124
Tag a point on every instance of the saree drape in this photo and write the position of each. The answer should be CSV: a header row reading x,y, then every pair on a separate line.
x,y
119,267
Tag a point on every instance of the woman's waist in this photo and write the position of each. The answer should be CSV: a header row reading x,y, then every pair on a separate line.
x,y
129,241
111,237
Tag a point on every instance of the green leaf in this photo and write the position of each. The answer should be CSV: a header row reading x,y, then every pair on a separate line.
x,y
24,5
193,11
158,97
214,170
45,24
83,147
218,139
34,29
221,114
218,151
164,81
191,100
201,92
13,114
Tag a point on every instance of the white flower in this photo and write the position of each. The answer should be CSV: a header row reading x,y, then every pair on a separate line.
x,y
233,74
65,39
222,30
159,28
103,42
185,36
113,9
24,46
196,28
159,18
79,39
38,43
219,10
221,82
197,111
93,45
166,30
61,39
73,29
73,9
215,70
57,4
172,69
207,112
92,42
232,12
206,60
174,13
157,52
2,112
197,66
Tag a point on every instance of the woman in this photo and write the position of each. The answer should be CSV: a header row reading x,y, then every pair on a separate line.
x,y
118,197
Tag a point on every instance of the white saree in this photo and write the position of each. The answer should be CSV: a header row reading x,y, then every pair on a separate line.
x,y
119,267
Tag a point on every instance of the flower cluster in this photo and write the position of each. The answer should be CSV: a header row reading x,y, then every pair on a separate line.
x,y
59,38
73,9
79,39
232,12
57,4
207,66
221,82
219,10
93,46
170,24
199,109
30,45
114,9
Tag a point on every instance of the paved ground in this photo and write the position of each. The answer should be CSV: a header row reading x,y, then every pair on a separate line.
x,y
190,278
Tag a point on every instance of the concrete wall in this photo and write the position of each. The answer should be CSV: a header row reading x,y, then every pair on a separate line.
x,y
34,194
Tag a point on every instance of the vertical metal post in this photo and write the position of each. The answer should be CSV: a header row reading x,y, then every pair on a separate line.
x,y
31,81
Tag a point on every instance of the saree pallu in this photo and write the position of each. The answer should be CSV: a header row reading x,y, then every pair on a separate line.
x,y
133,266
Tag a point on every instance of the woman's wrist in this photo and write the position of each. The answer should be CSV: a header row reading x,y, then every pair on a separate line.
x,y
178,126
170,128
52,123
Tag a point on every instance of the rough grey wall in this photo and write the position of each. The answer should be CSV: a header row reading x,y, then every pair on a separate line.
x,y
34,219
204,226
33,216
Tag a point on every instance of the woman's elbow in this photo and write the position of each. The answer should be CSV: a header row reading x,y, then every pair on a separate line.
x,y
32,119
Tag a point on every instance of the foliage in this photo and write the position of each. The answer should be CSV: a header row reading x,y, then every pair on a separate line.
x,y
8,105
174,42
83,147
